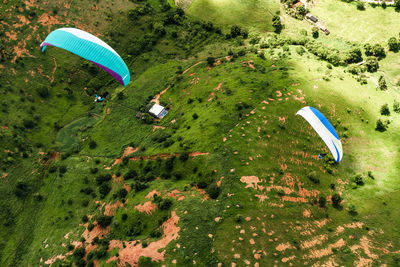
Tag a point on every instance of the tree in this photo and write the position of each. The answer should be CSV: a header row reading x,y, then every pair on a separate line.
x,y
380,126
92,144
378,51
360,6
382,83
336,200
104,221
358,179
314,32
213,190
210,61
235,31
301,10
397,5
277,24
396,106
354,55
385,110
393,44
322,201
372,64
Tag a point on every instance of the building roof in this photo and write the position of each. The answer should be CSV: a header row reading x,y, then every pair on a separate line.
x,y
311,17
156,109
297,4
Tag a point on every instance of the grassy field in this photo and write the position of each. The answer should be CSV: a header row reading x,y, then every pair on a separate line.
x,y
230,175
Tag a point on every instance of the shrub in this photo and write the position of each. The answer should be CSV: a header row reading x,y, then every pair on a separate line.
x,y
90,227
43,92
104,221
385,110
103,178
322,201
62,169
184,156
372,64
336,200
360,6
92,144
165,204
314,32
277,24
85,218
104,190
213,190
28,124
396,106
393,44
312,176
210,61
358,179
124,216
380,126
130,174
352,210
195,116
382,83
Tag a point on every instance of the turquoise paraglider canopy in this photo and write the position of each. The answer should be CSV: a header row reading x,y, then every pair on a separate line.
x,y
91,48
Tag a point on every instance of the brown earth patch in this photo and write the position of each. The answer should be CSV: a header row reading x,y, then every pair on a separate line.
x,y
111,208
152,193
147,207
251,181
128,150
155,127
284,246
130,253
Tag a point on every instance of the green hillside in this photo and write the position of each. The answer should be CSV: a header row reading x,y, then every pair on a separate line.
x,y
230,176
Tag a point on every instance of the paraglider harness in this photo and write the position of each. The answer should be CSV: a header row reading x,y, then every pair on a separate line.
x,y
321,156
100,98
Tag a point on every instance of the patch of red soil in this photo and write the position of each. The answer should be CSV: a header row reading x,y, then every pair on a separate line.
x,y
284,246
176,194
251,181
202,192
128,150
127,187
318,240
97,231
166,156
11,36
147,207
23,20
262,197
47,20
319,253
111,208
152,193
157,97
4,175
294,199
132,251
306,213
192,67
155,127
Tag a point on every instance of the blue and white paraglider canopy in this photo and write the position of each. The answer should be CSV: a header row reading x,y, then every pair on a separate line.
x,y
324,129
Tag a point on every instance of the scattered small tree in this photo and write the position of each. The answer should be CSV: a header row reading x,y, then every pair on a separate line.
x,y
360,6
393,44
358,179
314,32
385,110
382,83
277,24
372,64
336,200
396,106
92,144
210,61
381,126
322,201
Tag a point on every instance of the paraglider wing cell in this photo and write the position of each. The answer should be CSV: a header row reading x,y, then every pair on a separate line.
x,y
91,48
324,129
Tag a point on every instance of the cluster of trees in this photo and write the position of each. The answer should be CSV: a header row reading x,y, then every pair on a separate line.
x,y
277,24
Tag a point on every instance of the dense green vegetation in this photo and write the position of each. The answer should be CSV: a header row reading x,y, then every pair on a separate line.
x,y
230,174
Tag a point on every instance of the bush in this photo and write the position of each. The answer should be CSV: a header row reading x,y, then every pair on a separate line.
x,y
372,64
124,216
184,156
104,190
213,190
28,124
312,176
385,110
43,92
103,178
90,227
195,116
165,204
382,83
130,174
62,169
92,144
314,32
352,210
104,221
393,44
381,126
85,218
277,24
336,200
358,179
360,6
210,61
322,201
396,106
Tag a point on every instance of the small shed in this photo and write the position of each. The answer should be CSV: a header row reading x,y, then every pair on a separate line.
x,y
312,18
158,111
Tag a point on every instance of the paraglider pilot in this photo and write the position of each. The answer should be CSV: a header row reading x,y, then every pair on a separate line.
x,y
100,98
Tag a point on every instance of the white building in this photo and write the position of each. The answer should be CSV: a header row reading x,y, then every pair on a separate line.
x,y
158,111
